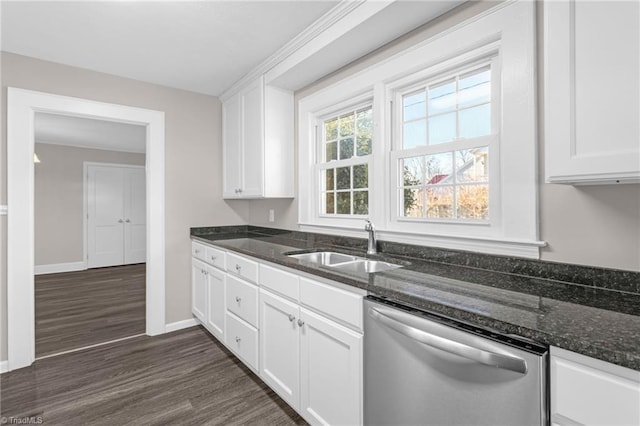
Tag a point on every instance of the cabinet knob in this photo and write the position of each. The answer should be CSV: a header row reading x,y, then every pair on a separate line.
x,y
197,251
128,221
238,299
205,272
213,258
291,317
300,323
120,221
238,339
238,268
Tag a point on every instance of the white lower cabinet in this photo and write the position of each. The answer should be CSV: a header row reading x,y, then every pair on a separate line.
x,y
302,336
215,280
312,362
242,339
199,289
280,346
330,371
587,391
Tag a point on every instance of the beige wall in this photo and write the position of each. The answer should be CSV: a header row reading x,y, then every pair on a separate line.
x,y
193,167
59,199
597,225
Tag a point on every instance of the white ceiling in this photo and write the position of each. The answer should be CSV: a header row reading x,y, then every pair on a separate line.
x,y
89,133
201,46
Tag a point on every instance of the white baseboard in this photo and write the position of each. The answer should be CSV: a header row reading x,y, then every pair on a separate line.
x,y
179,325
54,268
4,366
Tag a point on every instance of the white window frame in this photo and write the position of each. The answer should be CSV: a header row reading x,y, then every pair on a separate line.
x,y
333,164
488,55
509,30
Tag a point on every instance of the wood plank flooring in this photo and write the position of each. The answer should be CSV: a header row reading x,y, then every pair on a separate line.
x,y
181,378
78,309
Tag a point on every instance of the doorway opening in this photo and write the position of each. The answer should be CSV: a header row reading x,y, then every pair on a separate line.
x,y
90,213
23,106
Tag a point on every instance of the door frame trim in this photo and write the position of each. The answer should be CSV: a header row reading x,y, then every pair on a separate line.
x,y
85,200
21,108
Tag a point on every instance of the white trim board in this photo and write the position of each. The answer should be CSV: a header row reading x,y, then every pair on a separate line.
x,y
54,268
21,108
180,325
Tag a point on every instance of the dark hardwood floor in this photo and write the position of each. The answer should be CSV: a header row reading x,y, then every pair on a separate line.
x,y
181,378
84,308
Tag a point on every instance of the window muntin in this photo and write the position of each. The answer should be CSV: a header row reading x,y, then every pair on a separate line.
x,y
447,110
344,171
443,150
446,185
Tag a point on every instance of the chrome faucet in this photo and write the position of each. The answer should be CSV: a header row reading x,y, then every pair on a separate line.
x,y
372,246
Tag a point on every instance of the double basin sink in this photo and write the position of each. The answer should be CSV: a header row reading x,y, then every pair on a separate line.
x,y
345,262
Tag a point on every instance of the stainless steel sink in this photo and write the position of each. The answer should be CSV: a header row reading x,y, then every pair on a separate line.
x,y
345,262
366,265
326,258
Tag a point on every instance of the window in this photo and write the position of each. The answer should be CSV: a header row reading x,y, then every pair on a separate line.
x,y
443,151
345,144
436,144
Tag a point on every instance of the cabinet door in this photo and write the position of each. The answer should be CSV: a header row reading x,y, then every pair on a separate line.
x,y
592,91
231,147
199,289
331,372
253,139
216,302
279,346
608,394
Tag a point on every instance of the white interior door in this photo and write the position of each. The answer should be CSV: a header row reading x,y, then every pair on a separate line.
x,y
116,209
135,216
105,222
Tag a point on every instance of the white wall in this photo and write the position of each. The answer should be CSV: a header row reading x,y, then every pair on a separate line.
x,y
193,190
596,226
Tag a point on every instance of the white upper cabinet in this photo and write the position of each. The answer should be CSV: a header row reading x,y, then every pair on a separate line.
x,y
592,91
257,129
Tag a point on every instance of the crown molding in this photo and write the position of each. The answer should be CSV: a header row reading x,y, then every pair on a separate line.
x,y
326,21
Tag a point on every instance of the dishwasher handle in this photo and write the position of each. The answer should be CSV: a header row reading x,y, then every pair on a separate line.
x,y
481,356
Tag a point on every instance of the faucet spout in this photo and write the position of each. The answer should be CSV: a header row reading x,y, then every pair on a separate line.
x,y
372,247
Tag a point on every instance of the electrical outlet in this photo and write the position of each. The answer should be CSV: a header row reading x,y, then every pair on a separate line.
x,y
272,215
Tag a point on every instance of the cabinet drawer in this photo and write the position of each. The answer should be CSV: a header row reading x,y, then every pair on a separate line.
x,y
199,251
242,299
339,304
588,394
215,257
245,268
279,281
242,339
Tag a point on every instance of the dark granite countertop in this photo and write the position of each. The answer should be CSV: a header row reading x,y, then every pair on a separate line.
x,y
591,311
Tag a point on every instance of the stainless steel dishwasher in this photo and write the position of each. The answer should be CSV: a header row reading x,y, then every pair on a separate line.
x,y
424,369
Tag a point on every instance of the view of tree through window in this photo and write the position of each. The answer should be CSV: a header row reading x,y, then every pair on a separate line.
x,y
346,141
453,183
449,185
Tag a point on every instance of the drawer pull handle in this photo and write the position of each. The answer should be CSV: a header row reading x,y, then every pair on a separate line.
x,y
300,323
238,339
238,299
291,318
